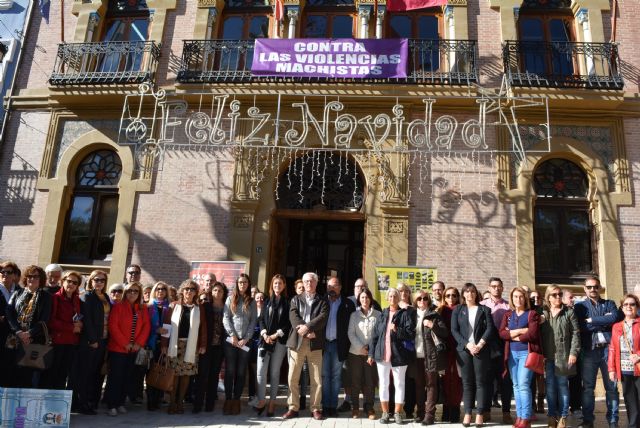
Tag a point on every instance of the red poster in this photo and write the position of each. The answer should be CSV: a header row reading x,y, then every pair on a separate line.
x,y
225,272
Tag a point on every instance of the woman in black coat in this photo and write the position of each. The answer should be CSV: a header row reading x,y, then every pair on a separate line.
x,y
400,324
274,331
431,335
28,312
473,329
87,376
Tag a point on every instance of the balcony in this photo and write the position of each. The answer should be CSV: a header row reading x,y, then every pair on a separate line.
x,y
105,63
562,64
431,62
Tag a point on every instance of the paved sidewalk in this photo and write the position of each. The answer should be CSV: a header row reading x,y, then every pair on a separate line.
x,y
140,417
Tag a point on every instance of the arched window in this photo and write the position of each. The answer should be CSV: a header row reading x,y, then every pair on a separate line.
x,y
91,220
565,252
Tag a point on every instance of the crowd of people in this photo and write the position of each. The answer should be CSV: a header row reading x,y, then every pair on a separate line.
x,y
442,346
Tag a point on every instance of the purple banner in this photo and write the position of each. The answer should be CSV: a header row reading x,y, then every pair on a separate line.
x,y
342,58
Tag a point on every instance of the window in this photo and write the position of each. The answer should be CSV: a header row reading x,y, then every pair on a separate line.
x,y
332,19
91,220
563,233
545,47
237,27
425,29
126,21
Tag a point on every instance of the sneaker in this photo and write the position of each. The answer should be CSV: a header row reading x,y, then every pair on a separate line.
x,y
112,412
399,418
122,410
253,401
385,418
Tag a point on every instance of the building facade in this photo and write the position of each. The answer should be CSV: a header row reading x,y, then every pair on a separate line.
x,y
508,148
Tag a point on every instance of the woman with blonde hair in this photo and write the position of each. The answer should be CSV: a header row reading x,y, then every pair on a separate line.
x,y
187,340
240,317
560,333
93,343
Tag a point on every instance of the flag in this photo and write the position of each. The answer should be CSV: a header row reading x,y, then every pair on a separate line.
x,y
402,5
44,9
279,13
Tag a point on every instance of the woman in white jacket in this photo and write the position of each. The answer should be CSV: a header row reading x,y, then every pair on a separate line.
x,y
362,368
187,340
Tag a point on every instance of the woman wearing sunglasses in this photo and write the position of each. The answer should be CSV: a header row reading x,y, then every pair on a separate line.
x,y
624,356
560,345
128,332
27,310
158,307
187,340
452,384
93,343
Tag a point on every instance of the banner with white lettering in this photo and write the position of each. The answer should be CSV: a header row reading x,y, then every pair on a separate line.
x,y
341,58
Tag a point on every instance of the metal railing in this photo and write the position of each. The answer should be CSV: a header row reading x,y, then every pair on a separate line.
x,y
452,62
105,63
562,64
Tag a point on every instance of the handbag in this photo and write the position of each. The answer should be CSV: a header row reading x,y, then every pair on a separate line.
x,y
35,355
143,357
161,375
535,361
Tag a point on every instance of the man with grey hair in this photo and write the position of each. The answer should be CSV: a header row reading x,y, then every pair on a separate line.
x,y
308,313
54,274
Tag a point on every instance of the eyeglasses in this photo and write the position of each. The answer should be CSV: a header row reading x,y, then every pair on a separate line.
x,y
449,296
133,291
161,289
133,272
33,276
116,292
191,289
7,272
99,279
421,298
72,281
556,295
591,287
629,304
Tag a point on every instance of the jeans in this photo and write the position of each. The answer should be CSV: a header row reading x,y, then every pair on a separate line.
x,y
271,363
521,378
557,392
236,361
592,361
331,375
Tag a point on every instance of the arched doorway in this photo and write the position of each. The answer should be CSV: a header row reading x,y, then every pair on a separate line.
x,y
318,225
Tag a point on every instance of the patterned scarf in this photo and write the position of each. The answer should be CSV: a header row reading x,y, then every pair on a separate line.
x,y
26,307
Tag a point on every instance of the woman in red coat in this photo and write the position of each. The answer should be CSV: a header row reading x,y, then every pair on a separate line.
x,y
128,332
624,356
65,326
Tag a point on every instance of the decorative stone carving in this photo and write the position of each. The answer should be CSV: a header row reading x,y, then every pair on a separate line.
x,y
242,221
395,227
207,3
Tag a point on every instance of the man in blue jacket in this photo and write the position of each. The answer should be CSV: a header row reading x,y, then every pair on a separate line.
x,y
596,316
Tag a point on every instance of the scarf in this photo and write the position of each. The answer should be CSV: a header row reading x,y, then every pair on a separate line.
x,y
26,307
192,339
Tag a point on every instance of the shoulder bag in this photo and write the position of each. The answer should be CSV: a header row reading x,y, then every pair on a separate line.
x,y
161,374
34,355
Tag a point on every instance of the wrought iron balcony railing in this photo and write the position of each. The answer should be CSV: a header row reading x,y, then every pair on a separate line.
x,y
562,64
451,62
105,63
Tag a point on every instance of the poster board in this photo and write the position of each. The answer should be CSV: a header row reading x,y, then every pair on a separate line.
x,y
225,271
34,408
416,277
